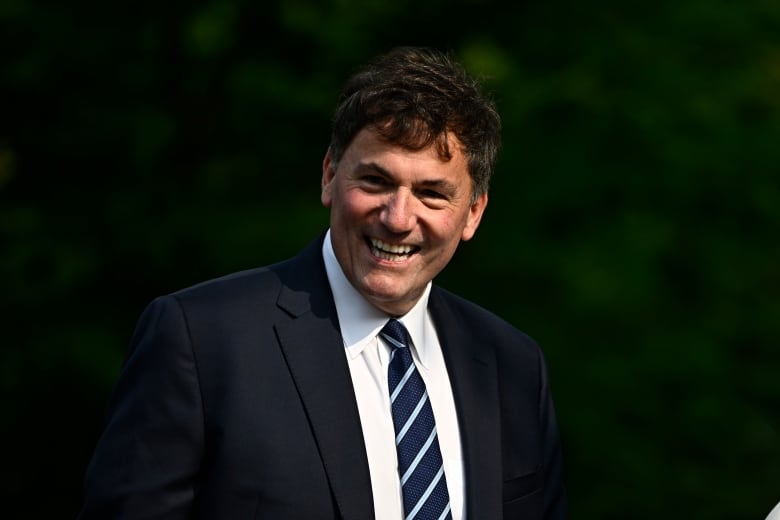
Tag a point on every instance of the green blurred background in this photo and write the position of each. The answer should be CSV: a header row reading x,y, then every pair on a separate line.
x,y
632,229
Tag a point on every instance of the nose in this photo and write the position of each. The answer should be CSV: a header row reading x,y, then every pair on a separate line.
x,y
398,212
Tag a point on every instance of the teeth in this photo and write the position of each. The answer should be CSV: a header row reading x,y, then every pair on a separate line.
x,y
387,251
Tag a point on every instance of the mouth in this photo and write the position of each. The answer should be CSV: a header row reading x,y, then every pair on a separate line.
x,y
391,252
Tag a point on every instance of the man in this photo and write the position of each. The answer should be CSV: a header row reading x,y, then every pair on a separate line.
x,y
342,383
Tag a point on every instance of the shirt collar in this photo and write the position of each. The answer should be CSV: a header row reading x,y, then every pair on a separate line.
x,y
360,322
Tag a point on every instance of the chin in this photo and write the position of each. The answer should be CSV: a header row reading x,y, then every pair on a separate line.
x,y
382,298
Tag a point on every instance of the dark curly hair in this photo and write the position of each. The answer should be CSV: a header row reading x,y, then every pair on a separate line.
x,y
413,97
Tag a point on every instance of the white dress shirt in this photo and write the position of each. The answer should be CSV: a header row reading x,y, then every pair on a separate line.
x,y
368,358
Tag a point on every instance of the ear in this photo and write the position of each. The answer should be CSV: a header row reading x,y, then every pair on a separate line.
x,y
328,174
474,217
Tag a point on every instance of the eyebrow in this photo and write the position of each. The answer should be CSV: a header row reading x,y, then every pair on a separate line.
x,y
374,166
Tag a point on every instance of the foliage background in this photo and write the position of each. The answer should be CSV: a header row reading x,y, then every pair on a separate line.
x,y
632,228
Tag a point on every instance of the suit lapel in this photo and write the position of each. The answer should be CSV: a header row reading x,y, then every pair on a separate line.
x,y
472,371
313,347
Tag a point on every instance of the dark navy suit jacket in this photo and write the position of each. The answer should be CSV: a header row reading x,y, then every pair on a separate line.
x,y
235,401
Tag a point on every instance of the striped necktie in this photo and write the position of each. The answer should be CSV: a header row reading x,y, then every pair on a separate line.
x,y
420,465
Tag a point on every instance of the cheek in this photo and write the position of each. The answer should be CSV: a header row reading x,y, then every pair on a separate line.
x,y
448,228
354,205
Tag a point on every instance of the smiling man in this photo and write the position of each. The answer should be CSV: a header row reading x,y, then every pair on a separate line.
x,y
343,384
398,214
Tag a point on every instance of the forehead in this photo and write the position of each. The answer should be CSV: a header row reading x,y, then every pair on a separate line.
x,y
370,147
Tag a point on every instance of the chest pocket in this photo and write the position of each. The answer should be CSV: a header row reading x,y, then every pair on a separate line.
x,y
523,497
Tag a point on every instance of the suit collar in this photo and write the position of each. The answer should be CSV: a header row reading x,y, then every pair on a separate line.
x,y
472,367
314,350
360,322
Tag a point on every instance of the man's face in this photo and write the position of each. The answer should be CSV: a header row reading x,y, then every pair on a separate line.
x,y
397,216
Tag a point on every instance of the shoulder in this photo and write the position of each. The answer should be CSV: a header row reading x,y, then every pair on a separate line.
x,y
242,306
231,287
517,360
490,327
261,285
217,306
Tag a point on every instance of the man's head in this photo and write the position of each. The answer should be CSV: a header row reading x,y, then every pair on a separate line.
x,y
415,97
406,174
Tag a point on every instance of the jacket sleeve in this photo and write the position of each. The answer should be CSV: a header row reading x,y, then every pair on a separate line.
x,y
146,462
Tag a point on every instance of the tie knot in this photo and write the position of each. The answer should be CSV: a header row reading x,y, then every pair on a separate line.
x,y
395,333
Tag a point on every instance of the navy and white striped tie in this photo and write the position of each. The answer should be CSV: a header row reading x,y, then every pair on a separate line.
x,y
420,465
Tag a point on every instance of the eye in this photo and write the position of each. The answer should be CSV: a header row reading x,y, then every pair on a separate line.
x,y
374,179
432,194
372,183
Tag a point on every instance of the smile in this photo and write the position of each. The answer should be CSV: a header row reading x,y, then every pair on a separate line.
x,y
391,252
